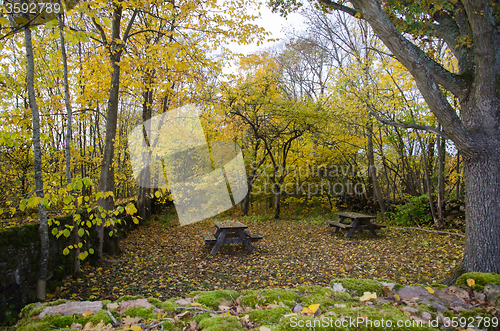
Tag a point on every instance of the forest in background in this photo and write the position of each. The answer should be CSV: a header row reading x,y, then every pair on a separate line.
x,y
327,121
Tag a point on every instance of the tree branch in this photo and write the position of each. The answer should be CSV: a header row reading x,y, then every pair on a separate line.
x,y
409,125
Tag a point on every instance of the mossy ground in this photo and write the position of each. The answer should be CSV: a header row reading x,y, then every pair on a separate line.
x,y
273,308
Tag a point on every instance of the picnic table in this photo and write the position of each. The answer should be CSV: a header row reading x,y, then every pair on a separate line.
x,y
230,232
359,222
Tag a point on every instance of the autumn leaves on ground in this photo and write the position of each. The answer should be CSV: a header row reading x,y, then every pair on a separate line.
x,y
164,260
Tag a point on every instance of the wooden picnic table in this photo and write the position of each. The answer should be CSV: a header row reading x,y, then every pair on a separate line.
x,y
230,232
359,222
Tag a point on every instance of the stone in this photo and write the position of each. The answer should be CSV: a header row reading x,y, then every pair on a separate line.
x,y
410,309
71,307
390,286
124,305
480,296
492,292
426,316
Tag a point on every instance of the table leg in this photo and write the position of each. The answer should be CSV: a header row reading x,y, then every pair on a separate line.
x,y
354,224
371,228
245,239
220,240
341,220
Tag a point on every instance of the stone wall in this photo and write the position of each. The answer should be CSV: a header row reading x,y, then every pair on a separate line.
x,y
20,261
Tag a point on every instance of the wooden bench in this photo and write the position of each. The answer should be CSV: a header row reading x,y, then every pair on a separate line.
x,y
253,236
211,240
359,222
339,225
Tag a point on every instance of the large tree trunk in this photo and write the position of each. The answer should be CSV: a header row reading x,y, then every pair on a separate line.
x,y
277,198
107,178
475,131
440,191
42,212
482,184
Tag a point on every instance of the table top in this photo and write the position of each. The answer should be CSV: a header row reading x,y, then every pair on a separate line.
x,y
230,225
355,215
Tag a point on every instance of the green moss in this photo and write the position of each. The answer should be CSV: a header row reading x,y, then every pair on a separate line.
x,y
214,298
447,313
31,310
438,286
45,323
101,315
357,287
198,318
472,314
155,302
105,303
169,305
271,315
480,278
221,323
140,312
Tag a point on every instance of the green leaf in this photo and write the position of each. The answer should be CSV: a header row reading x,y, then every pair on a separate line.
x,y
157,194
55,232
106,21
81,232
77,217
51,24
66,251
82,256
66,233
91,250
4,21
67,200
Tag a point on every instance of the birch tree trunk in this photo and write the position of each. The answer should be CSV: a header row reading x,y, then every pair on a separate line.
x,y
37,149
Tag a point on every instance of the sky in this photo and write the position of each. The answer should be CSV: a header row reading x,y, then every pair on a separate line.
x,y
276,25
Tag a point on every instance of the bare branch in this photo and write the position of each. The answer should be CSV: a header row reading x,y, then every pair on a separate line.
x,y
409,125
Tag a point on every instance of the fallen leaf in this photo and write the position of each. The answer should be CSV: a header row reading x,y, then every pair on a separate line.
x,y
133,328
312,310
195,304
428,288
471,282
87,313
127,321
112,306
368,296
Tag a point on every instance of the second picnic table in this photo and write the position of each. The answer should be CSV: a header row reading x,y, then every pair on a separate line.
x,y
359,222
230,232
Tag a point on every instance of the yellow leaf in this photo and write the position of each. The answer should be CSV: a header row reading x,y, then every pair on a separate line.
x,y
311,310
471,282
87,313
397,297
428,288
134,328
195,304
368,296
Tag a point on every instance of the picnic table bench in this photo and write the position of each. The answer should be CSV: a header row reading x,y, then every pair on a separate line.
x,y
359,222
233,232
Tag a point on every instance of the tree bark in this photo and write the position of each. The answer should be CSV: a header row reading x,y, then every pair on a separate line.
x,y
441,143
475,131
69,136
37,149
372,170
107,177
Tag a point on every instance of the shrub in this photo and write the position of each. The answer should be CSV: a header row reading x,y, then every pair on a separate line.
x,y
416,210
